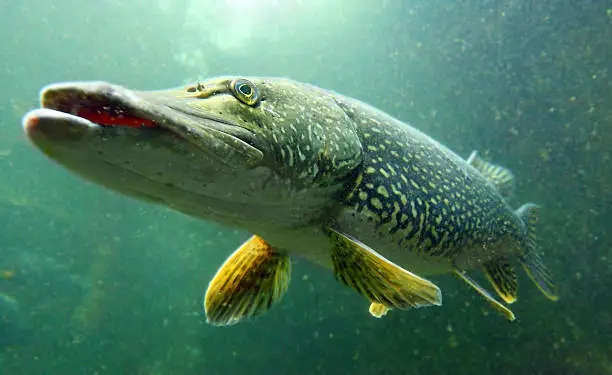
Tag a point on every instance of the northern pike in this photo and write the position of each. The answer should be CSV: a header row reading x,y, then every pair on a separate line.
x,y
308,172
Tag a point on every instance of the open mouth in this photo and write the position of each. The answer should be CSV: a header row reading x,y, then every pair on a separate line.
x,y
107,115
70,109
105,108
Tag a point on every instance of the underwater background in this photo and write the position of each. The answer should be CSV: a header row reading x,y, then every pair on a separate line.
x,y
92,282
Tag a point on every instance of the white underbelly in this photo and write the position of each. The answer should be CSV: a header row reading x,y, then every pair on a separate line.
x,y
314,245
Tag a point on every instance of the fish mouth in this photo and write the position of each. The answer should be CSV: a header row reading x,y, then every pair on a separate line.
x,y
68,110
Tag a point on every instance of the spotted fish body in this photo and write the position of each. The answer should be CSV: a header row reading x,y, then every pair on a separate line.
x,y
308,172
419,203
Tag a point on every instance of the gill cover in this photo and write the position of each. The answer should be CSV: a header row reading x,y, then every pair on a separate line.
x,y
304,134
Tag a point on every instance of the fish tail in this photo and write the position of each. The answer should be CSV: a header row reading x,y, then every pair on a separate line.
x,y
530,257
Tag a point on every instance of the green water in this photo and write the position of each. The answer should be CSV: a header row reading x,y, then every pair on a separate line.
x,y
95,283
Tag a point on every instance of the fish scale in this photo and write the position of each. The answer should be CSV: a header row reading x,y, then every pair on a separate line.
x,y
307,171
437,206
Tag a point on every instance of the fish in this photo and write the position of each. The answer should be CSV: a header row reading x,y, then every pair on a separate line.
x,y
308,172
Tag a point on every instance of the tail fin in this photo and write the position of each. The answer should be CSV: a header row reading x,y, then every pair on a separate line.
x,y
531,260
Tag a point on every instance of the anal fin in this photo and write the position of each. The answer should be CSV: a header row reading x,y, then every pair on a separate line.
x,y
497,305
379,280
503,278
501,177
250,281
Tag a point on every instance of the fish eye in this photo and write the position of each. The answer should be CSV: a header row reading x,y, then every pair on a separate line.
x,y
245,91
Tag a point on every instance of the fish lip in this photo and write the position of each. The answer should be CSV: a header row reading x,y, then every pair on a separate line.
x,y
166,111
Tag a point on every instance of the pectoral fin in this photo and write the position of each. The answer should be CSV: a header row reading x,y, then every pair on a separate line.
x,y
497,305
250,281
503,278
379,280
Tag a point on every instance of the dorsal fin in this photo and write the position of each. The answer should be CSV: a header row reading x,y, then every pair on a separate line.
x,y
501,177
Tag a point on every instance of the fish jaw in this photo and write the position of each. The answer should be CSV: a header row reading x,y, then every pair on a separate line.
x,y
175,159
75,108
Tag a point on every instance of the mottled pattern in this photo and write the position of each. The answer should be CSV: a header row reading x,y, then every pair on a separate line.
x,y
399,185
285,163
299,126
424,197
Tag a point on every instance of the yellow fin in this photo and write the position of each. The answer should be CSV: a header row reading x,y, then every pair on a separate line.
x,y
378,279
497,305
378,310
250,281
501,177
503,278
